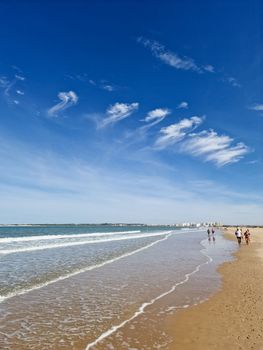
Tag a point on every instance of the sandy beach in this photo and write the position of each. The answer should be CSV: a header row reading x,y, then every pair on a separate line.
x,y
233,317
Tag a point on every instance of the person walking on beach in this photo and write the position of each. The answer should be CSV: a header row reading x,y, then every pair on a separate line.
x,y
247,236
213,234
209,234
239,235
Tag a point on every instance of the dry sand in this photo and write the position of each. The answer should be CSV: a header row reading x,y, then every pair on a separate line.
x,y
232,318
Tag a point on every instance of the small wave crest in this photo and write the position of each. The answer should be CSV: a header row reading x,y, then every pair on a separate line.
x,y
63,236
77,243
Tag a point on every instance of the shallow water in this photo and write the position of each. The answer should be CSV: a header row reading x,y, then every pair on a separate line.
x,y
70,297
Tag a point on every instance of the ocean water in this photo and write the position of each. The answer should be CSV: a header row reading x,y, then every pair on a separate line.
x,y
80,287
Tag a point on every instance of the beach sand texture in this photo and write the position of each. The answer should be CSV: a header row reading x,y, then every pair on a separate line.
x,y
233,318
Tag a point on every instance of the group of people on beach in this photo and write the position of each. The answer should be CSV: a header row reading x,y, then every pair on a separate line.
x,y
211,234
239,235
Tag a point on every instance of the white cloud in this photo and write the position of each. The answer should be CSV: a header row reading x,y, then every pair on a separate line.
x,y
117,112
108,87
232,81
172,59
68,99
158,113
229,155
101,84
4,82
19,92
257,107
175,61
176,132
183,105
255,161
19,77
92,82
214,147
209,68
8,88
206,142
8,84
104,85
154,117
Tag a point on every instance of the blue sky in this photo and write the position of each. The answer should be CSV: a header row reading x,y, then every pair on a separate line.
x,y
128,111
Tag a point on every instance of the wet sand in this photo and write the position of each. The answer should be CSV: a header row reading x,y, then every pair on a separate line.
x,y
148,331
232,318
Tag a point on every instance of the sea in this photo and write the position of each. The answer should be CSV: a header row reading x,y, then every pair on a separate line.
x,y
102,286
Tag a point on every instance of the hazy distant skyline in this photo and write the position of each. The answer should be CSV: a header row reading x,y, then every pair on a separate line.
x,y
124,111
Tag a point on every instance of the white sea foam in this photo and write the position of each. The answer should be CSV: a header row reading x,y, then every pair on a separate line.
x,y
141,309
77,243
65,236
89,268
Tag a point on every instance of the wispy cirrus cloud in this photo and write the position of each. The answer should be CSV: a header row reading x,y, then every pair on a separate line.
x,y
258,107
117,112
68,99
183,105
102,84
176,61
176,132
254,161
232,81
229,155
20,92
173,59
214,147
8,85
108,87
44,185
4,82
157,114
207,144
19,77
154,117
209,68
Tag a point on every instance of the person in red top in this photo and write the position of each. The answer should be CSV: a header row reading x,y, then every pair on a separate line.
x,y
247,236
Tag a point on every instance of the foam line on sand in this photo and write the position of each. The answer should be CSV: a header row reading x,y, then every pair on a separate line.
x,y
141,309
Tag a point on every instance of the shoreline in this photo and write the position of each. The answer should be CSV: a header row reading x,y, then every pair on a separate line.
x,y
149,329
232,318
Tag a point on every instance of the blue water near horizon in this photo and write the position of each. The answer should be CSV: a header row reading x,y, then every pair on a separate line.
x,y
49,229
